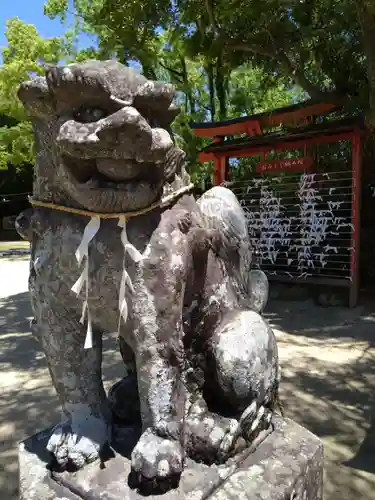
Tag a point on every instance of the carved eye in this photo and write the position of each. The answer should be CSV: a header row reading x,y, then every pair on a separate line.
x,y
87,115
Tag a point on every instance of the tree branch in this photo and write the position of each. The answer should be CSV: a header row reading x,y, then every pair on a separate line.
x,y
299,77
211,16
296,74
253,48
179,75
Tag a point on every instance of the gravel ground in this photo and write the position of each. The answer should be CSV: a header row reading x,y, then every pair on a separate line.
x,y
328,362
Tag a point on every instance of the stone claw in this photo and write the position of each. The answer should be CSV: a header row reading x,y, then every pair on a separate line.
x,y
248,415
156,458
254,419
229,440
75,447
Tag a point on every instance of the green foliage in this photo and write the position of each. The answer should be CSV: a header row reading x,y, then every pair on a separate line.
x,y
175,42
251,92
226,58
16,144
125,28
23,57
317,45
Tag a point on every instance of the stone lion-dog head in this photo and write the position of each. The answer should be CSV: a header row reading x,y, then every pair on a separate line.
x,y
102,137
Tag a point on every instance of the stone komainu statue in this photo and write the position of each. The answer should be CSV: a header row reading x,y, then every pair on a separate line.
x,y
118,243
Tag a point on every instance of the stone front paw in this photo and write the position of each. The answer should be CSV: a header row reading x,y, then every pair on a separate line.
x,y
156,458
76,444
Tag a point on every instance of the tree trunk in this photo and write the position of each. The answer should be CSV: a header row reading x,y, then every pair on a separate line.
x,y
211,88
148,69
188,90
220,88
366,17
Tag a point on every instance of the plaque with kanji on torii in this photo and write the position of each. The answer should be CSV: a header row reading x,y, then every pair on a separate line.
x,y
286,164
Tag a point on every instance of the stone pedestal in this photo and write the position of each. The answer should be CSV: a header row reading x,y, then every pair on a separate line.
x,y
286,465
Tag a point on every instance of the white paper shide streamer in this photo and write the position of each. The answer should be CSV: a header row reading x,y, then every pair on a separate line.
x,y
83,253
125,280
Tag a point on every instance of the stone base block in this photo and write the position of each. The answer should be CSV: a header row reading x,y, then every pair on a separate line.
x,y
287,464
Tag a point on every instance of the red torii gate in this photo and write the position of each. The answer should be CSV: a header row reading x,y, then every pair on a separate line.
x,y
252,125
255,139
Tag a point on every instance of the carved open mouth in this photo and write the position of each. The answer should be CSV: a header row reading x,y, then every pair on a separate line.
x,y
111,174
110,183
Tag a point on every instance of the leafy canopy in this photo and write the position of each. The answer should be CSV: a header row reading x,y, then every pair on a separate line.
x,y
175,41
23,57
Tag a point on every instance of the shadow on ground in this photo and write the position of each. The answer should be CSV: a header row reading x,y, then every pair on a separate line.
x,y
328,385
29,403
14,257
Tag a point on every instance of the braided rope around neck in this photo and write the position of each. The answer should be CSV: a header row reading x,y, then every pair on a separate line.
x,y
164,201
82,253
